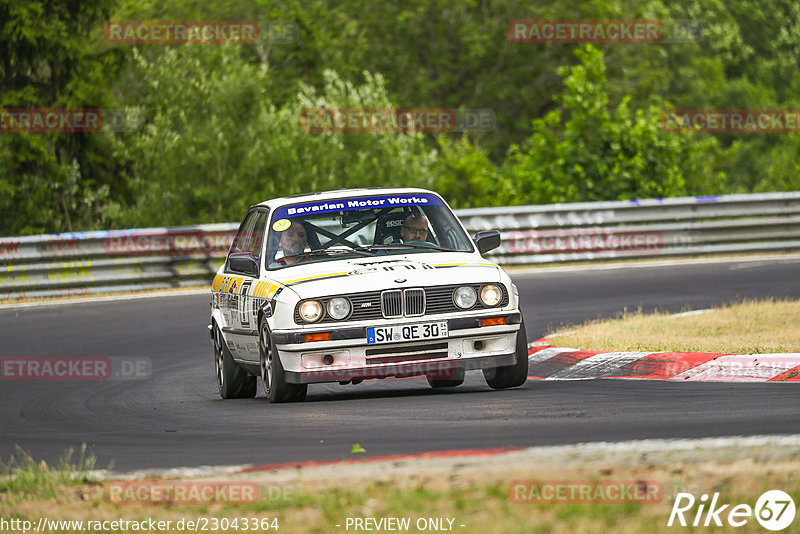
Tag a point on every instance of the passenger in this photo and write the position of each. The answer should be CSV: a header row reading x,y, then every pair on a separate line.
x,y
293,243
415,228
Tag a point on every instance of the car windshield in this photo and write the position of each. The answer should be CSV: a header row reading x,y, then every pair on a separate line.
x,y
363,226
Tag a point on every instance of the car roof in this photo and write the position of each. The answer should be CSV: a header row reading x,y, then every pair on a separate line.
x,y
340,193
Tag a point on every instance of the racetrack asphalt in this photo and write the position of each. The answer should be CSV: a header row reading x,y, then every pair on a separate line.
x,y
175,418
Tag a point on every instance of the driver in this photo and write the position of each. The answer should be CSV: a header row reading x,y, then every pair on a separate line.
x,y
415,228
293,242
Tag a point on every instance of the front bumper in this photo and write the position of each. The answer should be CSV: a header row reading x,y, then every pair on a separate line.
x,y
442,369
348,356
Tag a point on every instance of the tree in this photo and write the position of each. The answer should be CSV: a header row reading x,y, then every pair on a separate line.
x,y
49,58
581,152
214,143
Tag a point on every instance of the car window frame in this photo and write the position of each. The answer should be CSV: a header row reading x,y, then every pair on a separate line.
x,y
469,241
253,212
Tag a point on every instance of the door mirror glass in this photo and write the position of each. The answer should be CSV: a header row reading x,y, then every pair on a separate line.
x,y
486,241
243,262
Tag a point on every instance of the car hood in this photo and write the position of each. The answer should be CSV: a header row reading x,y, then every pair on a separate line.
x,y
357,275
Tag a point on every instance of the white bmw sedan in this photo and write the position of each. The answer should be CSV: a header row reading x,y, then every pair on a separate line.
x,y
350,285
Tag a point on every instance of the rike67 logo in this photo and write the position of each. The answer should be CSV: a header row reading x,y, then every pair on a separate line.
x,y
774,510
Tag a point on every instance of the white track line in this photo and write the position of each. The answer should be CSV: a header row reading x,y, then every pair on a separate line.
x,y
527,270
598,366
546,354
690,313
741,368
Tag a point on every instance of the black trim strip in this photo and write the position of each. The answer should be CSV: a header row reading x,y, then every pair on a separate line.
x,y
412,348
475,322
463,323
240,332
336,335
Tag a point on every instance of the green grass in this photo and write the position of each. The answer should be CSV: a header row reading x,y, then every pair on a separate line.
x,y
22,477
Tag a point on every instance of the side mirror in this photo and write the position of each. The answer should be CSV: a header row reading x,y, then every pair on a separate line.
x,y
243,262
487,240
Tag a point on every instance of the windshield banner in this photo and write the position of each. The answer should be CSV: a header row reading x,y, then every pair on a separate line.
x,y
359,203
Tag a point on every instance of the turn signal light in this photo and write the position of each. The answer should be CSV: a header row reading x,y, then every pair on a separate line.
x,y
493,321
323,336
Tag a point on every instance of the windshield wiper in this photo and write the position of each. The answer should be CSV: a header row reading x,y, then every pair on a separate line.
x,y
317,252
401,246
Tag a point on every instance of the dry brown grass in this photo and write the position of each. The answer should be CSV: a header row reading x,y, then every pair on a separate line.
x,y
749,327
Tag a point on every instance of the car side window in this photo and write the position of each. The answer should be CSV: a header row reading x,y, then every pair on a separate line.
x,y
258,234
244,238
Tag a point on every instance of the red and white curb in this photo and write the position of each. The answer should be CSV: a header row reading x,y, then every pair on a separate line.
x,y
547,362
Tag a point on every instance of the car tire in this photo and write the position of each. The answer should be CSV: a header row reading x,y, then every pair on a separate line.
x,y
437,383
515,375
233,382
272,374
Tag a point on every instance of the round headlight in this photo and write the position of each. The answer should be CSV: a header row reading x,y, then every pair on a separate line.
x,y
465,297
311,311
491,295
338,308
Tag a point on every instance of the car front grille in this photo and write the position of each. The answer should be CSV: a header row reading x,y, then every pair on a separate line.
x,y
392,303
414,301
403,303
418,301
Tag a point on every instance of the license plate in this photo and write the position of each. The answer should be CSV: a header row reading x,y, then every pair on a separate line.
x,y
407,332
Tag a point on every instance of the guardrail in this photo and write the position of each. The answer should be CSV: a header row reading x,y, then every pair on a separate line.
x,y
152,258
627,229
83,263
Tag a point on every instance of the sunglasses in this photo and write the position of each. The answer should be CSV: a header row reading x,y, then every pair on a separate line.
x,y
417,230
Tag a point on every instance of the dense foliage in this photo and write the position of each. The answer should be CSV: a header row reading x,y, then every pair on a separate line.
x,y
218,127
